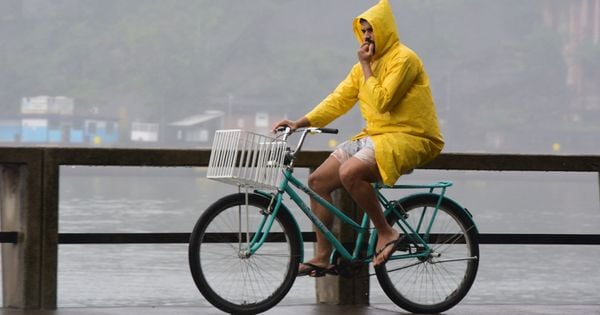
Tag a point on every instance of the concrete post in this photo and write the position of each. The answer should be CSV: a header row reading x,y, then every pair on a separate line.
x,y
20,212
339,290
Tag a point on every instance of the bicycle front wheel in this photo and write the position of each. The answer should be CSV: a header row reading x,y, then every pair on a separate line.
x,y
435,282
225,272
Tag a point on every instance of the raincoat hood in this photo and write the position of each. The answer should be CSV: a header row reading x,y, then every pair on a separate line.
x,y
384,27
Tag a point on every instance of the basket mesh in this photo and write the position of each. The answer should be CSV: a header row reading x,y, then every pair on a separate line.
x,y
247,159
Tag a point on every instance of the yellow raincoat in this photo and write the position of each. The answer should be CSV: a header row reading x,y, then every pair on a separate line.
x,y
395,102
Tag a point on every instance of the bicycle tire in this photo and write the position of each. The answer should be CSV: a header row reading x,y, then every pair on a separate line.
x,y
228,278
433,284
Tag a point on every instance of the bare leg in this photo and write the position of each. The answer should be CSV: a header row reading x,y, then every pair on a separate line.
x,y
324,180
357,177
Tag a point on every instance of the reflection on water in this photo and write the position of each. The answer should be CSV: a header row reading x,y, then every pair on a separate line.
x,y
160,200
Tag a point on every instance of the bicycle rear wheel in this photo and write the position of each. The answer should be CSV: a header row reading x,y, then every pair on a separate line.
x,y
438,281
226,274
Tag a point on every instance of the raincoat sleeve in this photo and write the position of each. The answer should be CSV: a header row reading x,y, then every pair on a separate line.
x,y
340,101
379,93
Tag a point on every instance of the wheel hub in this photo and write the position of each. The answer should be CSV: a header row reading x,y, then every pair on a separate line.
x,y
244,254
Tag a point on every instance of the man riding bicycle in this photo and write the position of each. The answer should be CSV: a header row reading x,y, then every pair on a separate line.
x,y
401,129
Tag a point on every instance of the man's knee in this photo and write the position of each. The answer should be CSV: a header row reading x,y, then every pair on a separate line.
x,y
318,183
352,173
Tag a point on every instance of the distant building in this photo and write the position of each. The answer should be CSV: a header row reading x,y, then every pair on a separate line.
x,y
101,131
196,129
144,131
34,130
10,129
51,120
53,105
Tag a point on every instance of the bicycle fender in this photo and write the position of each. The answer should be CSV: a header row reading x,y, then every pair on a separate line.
x,y
288,213
444,200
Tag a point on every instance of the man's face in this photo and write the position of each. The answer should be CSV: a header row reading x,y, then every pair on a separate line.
x,y
367,31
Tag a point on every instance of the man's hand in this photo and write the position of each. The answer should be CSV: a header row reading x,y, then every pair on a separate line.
x,y
365,55
302,122
366,52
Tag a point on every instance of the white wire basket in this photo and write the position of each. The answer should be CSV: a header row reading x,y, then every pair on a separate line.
x,y
246,159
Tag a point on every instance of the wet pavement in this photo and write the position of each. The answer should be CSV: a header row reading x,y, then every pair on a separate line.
x,y
308,309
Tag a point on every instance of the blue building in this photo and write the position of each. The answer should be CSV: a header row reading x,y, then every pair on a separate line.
x,y
51,129
10,130
51,120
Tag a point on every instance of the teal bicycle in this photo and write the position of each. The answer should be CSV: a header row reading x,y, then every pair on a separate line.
x,y
245,248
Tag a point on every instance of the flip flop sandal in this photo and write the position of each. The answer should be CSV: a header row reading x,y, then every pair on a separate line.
x,y
395,244
316,271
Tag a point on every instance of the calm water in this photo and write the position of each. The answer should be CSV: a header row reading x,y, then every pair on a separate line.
x,y
168,200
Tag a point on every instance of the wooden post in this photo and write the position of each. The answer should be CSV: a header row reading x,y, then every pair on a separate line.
x,y
49,240
336,289
20,212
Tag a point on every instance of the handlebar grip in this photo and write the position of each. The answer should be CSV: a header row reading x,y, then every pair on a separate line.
x,y
329,130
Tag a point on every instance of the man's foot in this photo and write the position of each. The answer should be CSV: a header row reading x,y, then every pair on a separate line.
x,y
314,270
386,247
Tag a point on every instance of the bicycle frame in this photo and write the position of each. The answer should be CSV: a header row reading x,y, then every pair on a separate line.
x,y
435,260
289,181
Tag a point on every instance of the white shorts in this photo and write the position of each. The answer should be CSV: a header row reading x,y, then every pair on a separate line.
x,y
362,149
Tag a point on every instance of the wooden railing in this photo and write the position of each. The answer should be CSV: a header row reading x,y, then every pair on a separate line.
x,y
29,190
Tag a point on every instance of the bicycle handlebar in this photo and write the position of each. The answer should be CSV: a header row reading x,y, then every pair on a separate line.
x,y
329,130
287,131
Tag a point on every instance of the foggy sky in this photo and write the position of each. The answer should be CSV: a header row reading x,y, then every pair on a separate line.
x,y
504,74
